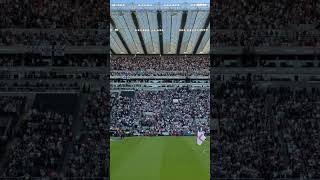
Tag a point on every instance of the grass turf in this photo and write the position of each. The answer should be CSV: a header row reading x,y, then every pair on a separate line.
x,y
159,158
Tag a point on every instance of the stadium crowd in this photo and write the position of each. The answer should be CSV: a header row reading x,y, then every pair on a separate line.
x,y
12,104
40,85
38,151
266,23
159,65
36,60
53,14
89,154
178,111
260,14
33,37
48,27
45,144
10,108
261,38
51,73
265,132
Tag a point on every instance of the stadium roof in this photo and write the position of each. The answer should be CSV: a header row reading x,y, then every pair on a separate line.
x,y
166,27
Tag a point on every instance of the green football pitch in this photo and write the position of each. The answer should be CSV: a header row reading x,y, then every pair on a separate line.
x,y
159,158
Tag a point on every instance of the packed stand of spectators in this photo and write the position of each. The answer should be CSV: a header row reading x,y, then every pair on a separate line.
x,y
265,14
53,37
36,60
10,108
81,61
266,38
265,132
39,150
180,111
53,14
40,85
55,75
61,74
12,104
266,23
90,151
159,66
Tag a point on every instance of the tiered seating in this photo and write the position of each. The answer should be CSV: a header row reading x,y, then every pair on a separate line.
x,y
89,154
265,132
176,111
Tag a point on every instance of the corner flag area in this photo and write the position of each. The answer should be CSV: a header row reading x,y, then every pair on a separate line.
x,y
159,158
